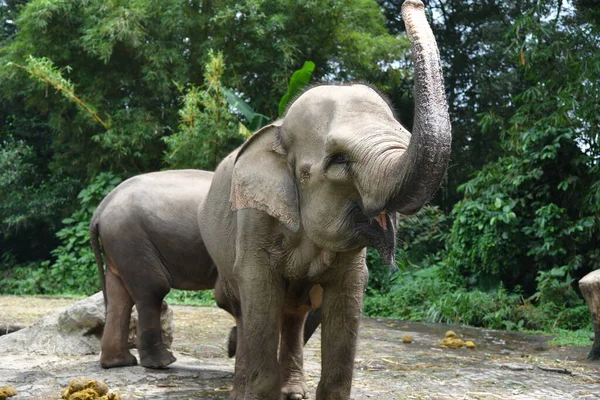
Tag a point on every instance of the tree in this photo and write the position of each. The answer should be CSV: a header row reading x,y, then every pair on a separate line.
x,y
208,130
532,218
126,62
480,76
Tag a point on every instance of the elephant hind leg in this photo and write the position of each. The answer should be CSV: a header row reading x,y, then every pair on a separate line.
x,y
114,346
153,351
224,303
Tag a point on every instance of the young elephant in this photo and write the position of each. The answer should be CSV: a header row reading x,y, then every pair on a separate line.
x,y
149,231
300,201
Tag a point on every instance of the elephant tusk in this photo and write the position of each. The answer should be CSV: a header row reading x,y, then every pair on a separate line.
x,y
382,220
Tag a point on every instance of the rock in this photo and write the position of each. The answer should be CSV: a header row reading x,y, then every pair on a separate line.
x,y
44,337
74,331
86,315
166,324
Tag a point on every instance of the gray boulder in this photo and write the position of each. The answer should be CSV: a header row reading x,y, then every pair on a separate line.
x,y
75,331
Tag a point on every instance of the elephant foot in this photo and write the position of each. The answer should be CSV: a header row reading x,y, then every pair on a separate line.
x,y
157,358
295,389
113,361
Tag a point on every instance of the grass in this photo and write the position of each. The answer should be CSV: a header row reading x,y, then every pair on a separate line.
x,y
565,337
191,298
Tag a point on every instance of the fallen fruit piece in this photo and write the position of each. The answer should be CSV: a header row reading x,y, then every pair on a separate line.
x,y
85,394
452,343
88,389
407,339
6,392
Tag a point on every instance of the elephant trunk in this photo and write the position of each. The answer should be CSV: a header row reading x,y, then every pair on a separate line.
x,y
420,169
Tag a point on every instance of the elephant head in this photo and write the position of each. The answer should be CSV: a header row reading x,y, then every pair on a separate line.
x,y
339,166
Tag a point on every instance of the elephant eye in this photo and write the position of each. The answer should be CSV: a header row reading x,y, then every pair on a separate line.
x,y
338,166
339,158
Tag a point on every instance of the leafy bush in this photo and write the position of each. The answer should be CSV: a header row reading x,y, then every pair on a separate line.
x,y
73,269
192,298
409,295
424,296
532,217
23,279
420,237
518,219
208,131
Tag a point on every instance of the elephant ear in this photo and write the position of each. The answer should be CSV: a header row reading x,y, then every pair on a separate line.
x,y
263,180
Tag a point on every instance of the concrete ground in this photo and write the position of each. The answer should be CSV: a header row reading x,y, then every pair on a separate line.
x,y
504,365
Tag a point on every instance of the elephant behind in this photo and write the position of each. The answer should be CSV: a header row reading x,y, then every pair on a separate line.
x,y
151,243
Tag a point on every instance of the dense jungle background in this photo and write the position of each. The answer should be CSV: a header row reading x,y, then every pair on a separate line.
x,y
93,92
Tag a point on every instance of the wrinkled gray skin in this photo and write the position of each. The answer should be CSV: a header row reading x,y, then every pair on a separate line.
x,y
149,231
148,226
300,200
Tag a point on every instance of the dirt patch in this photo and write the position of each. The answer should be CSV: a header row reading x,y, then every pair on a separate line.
x,y
504,365
17,312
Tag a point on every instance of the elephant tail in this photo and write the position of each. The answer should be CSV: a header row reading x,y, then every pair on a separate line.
x,y
96,248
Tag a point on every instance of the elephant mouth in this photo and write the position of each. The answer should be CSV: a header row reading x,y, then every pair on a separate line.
x,y
380,232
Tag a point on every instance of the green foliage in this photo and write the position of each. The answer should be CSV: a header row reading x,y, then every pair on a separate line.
x,y
255,120
528,226
420,238
531,217
208,131
298,81
479,76
28,203
565,337
44,71
124,63
408,297
72,270
191,298
426,295
21,279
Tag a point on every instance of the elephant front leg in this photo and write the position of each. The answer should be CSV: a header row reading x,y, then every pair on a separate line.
x,y
261,296
291,354
342,303
239,379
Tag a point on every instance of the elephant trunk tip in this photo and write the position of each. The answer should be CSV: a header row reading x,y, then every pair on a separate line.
x,y
413,3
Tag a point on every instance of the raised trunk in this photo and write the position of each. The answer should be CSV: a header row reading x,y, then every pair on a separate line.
x,y
421,168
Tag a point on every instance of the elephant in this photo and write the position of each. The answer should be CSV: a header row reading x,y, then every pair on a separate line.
x,y
151,242
294,208
148,228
